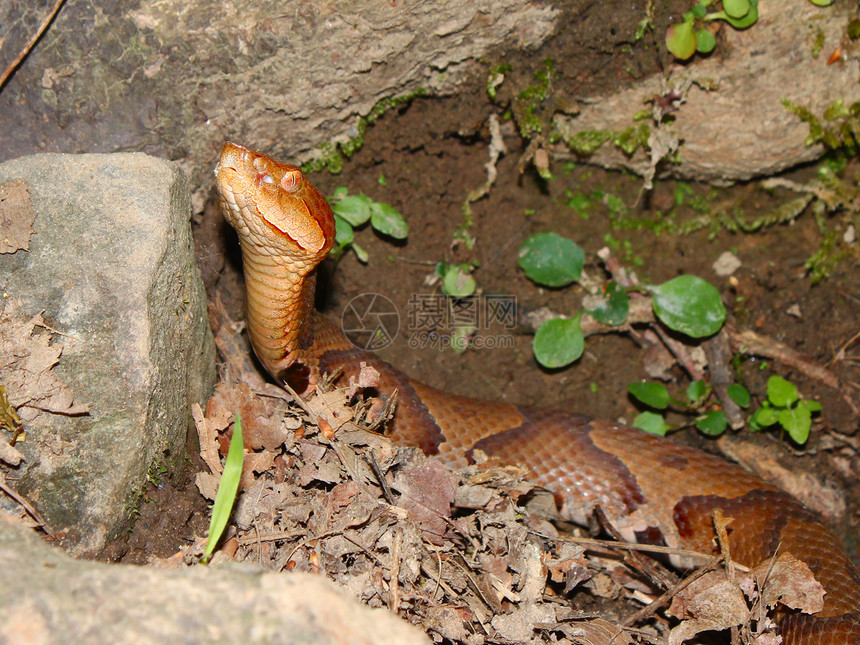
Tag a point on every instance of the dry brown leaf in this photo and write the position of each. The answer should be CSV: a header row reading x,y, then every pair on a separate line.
x,y
597,631
519,625
791,583
333,407
16,216
27,358
9,454
426,490
261,427
712,602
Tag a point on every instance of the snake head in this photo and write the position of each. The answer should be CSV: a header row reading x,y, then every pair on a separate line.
x,y
272,205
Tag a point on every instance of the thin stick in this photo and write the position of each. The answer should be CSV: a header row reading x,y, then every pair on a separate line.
x,y
14,64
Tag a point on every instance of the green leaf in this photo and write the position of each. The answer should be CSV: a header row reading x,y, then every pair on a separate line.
x,y
362,255
343,232
355,209
654,395
736,8
615,307
739,394
456,281
652,423
822,3
559,342
797,422
689,305
227,489
705,41
714,423
460,338
780,392
339,193
681,40
738,23
551,260
812,406
766,417
387,220
696,391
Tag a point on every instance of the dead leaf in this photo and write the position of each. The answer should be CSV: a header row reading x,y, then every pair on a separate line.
x,y
426,490
16,216
712,602
791,583
261,427
27,358
597,631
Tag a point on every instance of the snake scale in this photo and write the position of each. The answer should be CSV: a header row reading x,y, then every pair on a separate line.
x,y
648,487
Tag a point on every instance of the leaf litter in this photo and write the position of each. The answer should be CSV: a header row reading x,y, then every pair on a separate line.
x,y
471,556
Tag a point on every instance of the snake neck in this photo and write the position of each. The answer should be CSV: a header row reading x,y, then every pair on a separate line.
x,y
280,300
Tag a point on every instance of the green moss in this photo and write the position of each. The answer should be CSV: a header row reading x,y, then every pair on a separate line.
x,y
587,142
331,156
818,39
533,117
633,137
837,127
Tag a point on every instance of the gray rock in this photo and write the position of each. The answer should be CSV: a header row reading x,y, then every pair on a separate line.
x,y
177,78
46,597
111,266
740,130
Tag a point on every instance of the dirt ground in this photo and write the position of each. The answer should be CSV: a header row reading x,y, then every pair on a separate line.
x,y
425,157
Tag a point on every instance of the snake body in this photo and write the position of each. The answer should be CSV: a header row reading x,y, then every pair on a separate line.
x,y
651,489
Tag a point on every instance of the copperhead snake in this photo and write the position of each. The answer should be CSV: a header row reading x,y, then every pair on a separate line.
x,y
650,488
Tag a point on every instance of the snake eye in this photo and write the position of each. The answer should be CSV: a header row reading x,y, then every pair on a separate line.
x,y
292,181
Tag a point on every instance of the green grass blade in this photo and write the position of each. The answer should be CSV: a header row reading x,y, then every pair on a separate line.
x,y
227,489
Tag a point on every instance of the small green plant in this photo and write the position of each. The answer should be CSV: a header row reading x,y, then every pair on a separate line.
x,y
685,38
351,211
686,304
785,407
457,280
495,77
227,489
698,400
156,470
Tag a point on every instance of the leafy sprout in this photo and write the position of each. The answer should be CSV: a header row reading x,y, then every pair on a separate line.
x,y
352,211
692,35
686,304
785,407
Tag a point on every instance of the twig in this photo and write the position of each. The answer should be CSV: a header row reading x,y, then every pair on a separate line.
x,y
394,576
635,558
31,510
26,50
655,604
719,354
